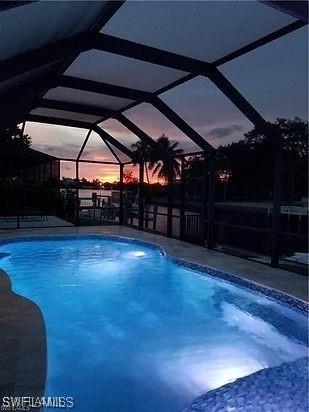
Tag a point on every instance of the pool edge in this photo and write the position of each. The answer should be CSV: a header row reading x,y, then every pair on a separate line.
x,y
283,298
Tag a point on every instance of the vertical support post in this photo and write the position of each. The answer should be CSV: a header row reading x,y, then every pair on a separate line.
x,y
211,199
182,222
121,194
77,192
170,200
141,196
18,176
146,212
204,204
275,230
18,190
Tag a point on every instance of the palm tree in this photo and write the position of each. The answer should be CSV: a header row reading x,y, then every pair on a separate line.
x,y
141,152
167,168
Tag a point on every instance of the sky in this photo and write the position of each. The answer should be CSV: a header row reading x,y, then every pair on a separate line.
x,y
273,78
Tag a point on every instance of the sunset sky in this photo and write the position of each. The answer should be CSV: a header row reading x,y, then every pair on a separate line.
x,y
273,78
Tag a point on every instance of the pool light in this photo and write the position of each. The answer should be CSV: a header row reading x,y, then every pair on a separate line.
x,y
139,253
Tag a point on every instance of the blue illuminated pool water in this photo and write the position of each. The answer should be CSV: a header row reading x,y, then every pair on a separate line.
x,y
129,330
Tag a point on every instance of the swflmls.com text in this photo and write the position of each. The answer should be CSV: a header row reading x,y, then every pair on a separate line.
x,y
27,403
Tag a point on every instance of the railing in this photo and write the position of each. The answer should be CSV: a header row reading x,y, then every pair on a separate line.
x,y
245,233
99,215
153,221
254,239
192,228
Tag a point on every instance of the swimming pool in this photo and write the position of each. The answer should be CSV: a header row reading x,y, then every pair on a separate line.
x,y
128,329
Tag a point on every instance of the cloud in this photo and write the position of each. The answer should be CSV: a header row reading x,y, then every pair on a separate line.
x,y
48,149
67,167
86,154
221,132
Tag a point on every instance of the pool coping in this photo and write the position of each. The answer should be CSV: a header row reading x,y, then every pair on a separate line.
x,y
283,298
288,391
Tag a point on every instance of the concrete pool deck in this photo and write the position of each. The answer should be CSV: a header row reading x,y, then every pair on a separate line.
x,y
287,282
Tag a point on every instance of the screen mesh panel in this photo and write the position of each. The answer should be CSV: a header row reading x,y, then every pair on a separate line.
x,y
104,173
119,132
121,156
88,98
67,172
58,141
206,30
208,111
151,121
61,114
260,77
122,71
39,23
96,149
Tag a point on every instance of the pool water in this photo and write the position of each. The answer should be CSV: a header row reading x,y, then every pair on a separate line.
x,y
129,330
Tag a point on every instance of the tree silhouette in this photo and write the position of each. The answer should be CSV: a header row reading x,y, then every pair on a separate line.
x,y
141,152
129,178
13,136
167,168
249,163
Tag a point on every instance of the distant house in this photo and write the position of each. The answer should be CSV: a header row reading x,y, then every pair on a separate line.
x,y
31,164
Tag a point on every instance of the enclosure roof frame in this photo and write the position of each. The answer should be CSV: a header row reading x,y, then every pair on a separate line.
x,y
63,52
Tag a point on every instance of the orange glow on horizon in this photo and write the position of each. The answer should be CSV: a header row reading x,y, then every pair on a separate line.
x,y
115,178
108,178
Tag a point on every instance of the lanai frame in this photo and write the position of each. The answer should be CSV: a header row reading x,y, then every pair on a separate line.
x,y
69,49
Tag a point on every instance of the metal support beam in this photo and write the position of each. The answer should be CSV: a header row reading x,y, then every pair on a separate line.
x,y
239,101
48,54
141,196
141,95
164,58
110,148
63,51
58,121
121,187
149,54
204,200
104,135
211,200
66,159
67,48
295,8
84,144
260,42
77,192
18,203
181,124
59,169
275,230
76,108
170,196
103,88
182,198
139,133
